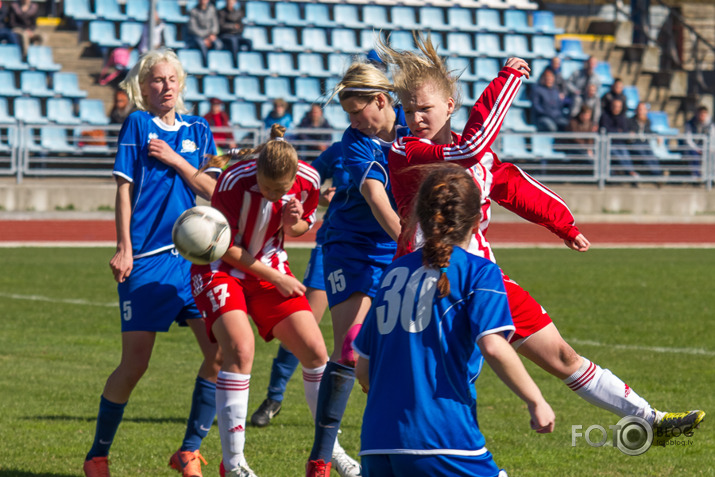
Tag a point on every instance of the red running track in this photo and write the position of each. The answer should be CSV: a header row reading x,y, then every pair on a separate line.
x,y
516,233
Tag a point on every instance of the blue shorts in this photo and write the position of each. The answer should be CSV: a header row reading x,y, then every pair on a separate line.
x,y
351,268
157,293
313,277
439,465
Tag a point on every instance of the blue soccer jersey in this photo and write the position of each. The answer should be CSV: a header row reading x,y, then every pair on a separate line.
x,y
424,356
329,165
160,194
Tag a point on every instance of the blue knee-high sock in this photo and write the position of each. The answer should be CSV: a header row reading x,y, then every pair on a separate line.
x,y
108,419
203,410
335,388
284,365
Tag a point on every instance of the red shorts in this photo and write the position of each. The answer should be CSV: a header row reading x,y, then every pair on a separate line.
x,y
529,317
218,293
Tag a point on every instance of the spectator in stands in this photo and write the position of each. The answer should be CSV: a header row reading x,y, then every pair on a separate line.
x,y
614,121
616,92
583,123
589,98
22,19
203,28
159,27
121,108
279,115
548,107
6,34
314,119
559,80
639,126
578,81
230,21
217,118
700,123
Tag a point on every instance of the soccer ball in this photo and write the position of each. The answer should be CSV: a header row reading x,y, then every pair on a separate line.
x,y
201,234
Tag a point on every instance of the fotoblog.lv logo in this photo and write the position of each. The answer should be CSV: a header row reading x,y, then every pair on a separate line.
x,y
631,435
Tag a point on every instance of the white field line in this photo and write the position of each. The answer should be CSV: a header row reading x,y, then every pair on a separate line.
x,y
68,301
653,349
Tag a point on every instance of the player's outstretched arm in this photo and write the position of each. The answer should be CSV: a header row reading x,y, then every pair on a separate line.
x,y
506,364
123,260
201,184
579,243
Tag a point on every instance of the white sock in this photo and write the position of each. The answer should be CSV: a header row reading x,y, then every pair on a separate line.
x,y
604,389
231,411
311,384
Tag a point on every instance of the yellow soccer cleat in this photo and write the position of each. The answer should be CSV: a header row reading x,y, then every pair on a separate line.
x,y
668,425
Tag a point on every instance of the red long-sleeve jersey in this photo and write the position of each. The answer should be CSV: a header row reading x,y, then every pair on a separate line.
x,y
502,182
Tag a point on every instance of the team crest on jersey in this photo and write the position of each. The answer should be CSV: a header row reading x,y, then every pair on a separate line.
x,y
153,136
187,145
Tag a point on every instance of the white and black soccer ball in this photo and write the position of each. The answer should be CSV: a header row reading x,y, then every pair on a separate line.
x,y
201,234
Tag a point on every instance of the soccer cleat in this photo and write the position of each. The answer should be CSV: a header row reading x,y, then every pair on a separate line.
x,y
241,471
96,467
265,412
187,462
317,468
345,465
668,425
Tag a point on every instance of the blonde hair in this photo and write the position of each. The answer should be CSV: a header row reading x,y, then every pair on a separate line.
x,y
365,81
413,70
132,84
276,159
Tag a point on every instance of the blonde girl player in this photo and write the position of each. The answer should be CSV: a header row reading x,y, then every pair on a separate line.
x,y
427,91
263,199
439,314
159,151
359,241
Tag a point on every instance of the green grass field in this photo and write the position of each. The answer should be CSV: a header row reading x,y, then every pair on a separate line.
x,y
59,340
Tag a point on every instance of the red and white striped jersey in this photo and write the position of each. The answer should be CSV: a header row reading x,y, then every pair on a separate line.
x,y
504,183
256,223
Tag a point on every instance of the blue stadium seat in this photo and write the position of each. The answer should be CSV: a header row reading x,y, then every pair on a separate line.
x,y
34,83
336,116
338,63
41,58
632,97
460,43
247,88
281,64
347,16
517,21
7,84
102,33
170,11
318,14
461,19
543,46
571,48
28,110
307,89
279,88
568,67
92,111
109,10
244,115
467,92
462,67
543,146
537,68
515,120
486,68
259,13
513,146
489,21
402,40
344,39
138,10
368,39
192,92
375,16
487,44
480,86
286,38
203,107
11,58
193,62
330,84
311,64
133,58
258,36
218,87
61,111
171,40
315,39
299,111
543,21
432,18
404,17
661,151
130,33
79,10
55,140
221,62
603,70
5,117
522,100
659,123
30,138
288,13
251,62
517,45
67,85
459,118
